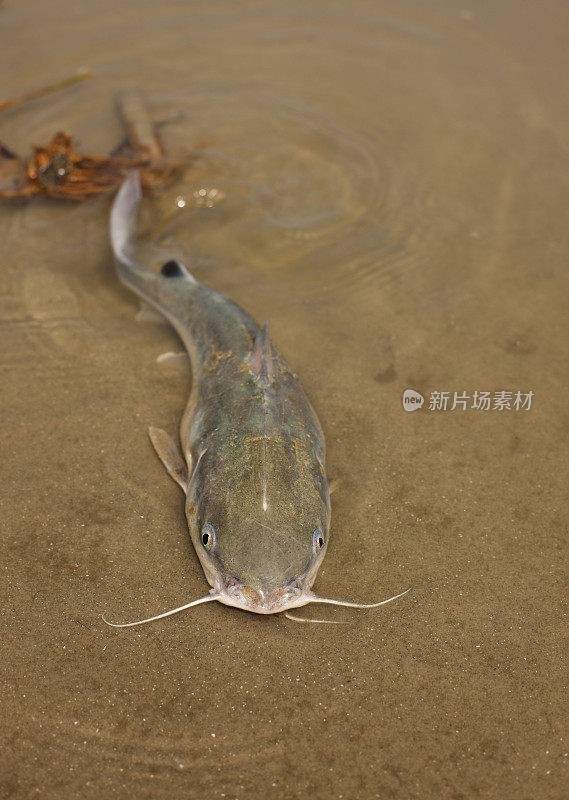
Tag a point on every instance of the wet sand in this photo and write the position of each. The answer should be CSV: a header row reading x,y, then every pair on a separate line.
x,y
396,193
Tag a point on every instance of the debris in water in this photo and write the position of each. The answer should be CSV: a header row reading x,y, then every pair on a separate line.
x,y
59,171
141,131
80,75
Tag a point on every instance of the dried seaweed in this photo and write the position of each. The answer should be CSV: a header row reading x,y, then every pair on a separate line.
x,y
59,171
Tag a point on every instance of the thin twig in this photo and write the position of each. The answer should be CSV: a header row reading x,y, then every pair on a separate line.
x,y
80,75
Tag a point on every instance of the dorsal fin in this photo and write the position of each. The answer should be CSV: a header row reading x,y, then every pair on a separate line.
x,y
261,359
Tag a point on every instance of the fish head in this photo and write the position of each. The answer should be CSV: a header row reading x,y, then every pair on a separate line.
x,y
260,531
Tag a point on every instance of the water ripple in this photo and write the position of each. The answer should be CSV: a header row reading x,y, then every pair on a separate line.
x,y
303,195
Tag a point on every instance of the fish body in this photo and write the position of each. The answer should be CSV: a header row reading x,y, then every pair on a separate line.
x,y
252,461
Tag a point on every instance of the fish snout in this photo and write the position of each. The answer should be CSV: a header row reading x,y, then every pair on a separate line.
x,y
261,600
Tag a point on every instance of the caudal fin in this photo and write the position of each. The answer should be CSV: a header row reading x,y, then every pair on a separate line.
x,y
123,217
122,227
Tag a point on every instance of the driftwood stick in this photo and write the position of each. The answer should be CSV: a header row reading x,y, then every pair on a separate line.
x,y
141,131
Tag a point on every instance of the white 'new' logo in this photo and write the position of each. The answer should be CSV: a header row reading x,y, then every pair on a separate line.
x,y
412,400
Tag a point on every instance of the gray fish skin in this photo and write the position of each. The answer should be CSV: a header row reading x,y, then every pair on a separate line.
x,y
252,464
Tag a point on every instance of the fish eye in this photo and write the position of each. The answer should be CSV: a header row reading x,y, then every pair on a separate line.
x,y
208,536
317,540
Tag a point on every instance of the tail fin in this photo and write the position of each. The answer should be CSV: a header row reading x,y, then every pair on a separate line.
x,y
123,218
123,228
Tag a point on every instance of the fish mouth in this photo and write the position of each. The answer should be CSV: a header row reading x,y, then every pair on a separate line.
x,y
263,601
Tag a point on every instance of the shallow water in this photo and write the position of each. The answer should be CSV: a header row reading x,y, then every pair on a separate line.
x,y
394,200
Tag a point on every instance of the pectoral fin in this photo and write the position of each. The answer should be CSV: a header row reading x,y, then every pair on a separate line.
x,y
333,485
170,456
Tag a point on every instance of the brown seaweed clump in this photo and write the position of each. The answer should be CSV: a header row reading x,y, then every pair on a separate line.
x,y
59,171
